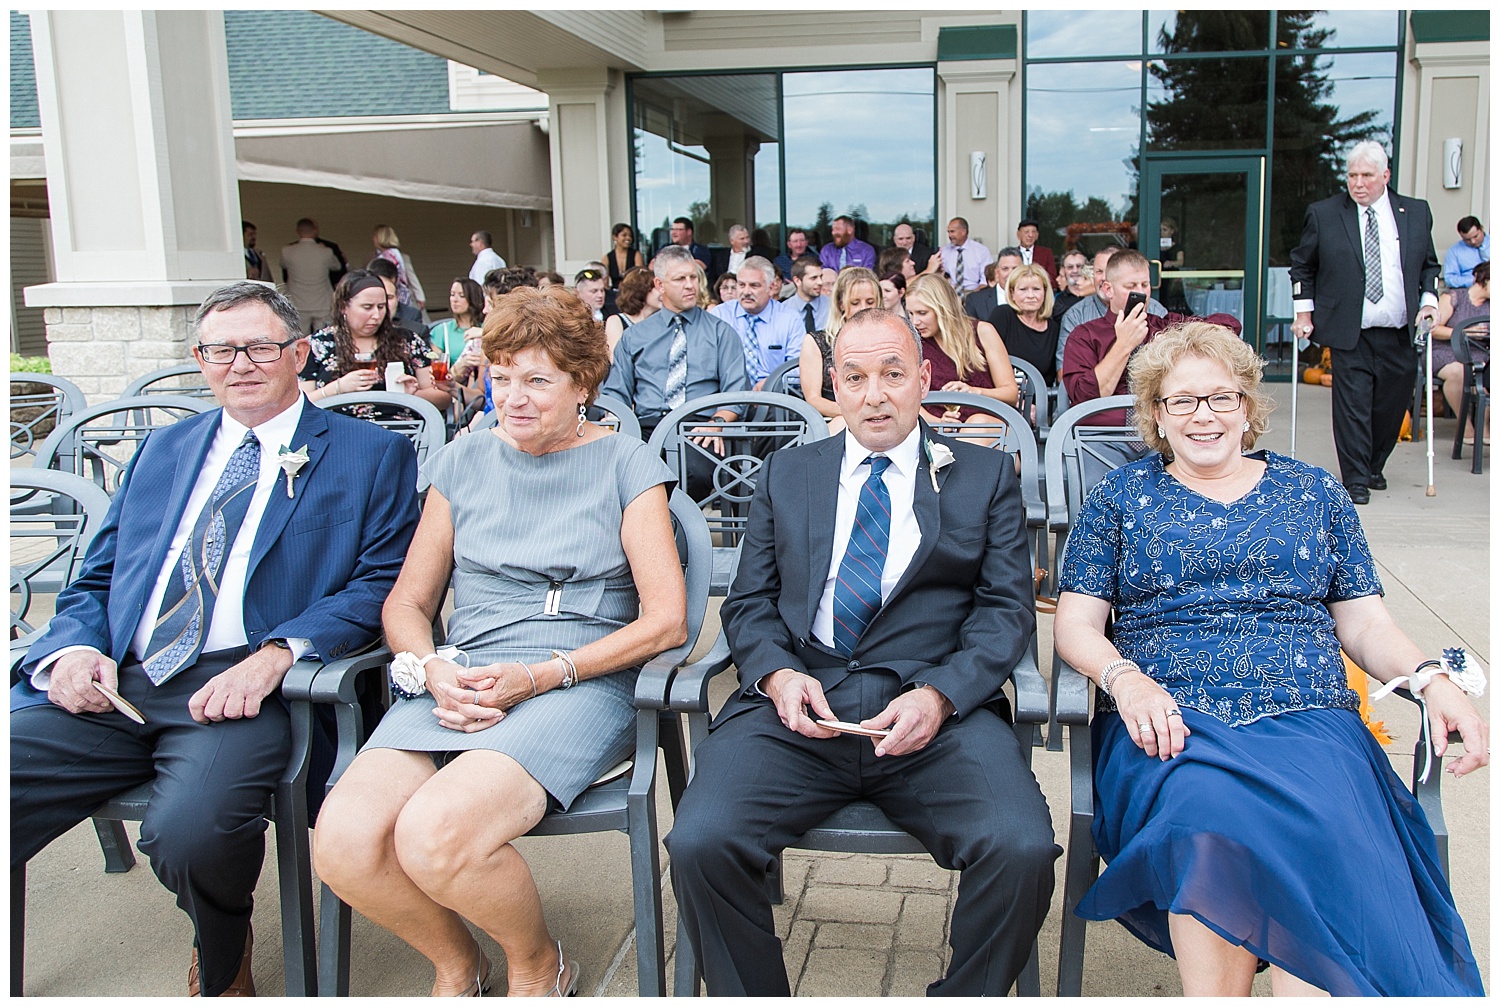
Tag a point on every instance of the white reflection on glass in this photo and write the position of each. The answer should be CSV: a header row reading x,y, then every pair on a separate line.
x,y
668,180
1082,127
861,141
1082,33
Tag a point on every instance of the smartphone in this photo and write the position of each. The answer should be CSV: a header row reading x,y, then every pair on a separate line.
x,y
1135,298
847,728
393,375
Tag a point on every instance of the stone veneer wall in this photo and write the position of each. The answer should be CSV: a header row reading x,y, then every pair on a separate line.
x,y
102,350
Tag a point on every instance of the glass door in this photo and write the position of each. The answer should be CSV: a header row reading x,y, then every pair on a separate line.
x,y
1201,227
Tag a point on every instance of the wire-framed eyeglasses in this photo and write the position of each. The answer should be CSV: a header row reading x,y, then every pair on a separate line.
x,y
259,353
1186,405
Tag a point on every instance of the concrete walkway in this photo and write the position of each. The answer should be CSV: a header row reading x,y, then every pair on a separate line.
x,y
853,925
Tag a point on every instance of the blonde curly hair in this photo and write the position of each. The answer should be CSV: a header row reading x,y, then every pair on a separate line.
x,y
1155,360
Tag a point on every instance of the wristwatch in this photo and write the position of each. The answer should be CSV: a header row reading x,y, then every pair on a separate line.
x,y
274,641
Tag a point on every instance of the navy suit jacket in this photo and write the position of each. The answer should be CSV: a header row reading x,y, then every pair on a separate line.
x,y
323,560
1328,265
959,619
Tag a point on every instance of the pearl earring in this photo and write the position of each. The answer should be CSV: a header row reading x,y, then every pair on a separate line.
x,y
1247,426
1161,431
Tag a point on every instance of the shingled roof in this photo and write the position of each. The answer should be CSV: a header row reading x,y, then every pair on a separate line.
x,y
288,65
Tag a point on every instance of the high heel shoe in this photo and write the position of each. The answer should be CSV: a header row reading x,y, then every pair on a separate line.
x,y
481,984
568,969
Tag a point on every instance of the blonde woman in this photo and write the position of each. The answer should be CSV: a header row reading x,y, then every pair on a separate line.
x,y
410,297
1025,321
966,354
855,290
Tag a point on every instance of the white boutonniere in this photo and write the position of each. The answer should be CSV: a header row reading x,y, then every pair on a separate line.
x,y
939,457
291,464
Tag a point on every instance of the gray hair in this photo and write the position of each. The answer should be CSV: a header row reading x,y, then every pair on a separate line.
x,y
738,229
1367,152
877,315
759,263
237,295
671,255
1010,250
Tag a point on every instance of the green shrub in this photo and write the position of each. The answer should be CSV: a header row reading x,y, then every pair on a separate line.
x,y
30,365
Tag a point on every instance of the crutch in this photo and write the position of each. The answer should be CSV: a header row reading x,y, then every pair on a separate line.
x,y
1424,336
1299,343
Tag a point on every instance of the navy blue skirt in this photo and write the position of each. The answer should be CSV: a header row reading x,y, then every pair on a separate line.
x,y
1290,837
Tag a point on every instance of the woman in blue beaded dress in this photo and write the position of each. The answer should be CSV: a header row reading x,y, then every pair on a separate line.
x,y
1243,808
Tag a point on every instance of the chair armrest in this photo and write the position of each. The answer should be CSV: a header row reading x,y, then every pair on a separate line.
x,y
653,683
1073,705
689,692
1031,691
335,681
297,685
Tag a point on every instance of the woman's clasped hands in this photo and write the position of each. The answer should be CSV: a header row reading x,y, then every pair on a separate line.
x,y
1150,714
472,699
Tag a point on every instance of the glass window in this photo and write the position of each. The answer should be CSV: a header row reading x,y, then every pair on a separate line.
x,y
1327,29
1208,31
705,148
862,143
1083,127
1323,104
1206,104
1072,33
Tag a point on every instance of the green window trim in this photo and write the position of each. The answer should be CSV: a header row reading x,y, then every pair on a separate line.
x,y
1450,25
989,41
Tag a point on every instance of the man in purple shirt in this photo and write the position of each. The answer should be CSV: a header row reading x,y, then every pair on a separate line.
x,y
845,249
964,258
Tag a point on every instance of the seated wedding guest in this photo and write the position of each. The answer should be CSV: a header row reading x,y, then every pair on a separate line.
x,y
466,301
532,706
808,299
550,278
896,260
637,302
1029,328
830,277
966,354
197,638
919,645
769,332
893,293
1457,305
623,256
351,354
1076,281
856,290
726,290
1243,808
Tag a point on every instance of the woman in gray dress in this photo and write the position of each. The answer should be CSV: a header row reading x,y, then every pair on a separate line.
x,y
556,536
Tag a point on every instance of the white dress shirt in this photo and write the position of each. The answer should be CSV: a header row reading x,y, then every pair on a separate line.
x,y
227,628
486,260
901,482
1390,311
736,260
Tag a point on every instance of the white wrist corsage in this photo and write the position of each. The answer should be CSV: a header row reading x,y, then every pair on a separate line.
x,y
939,457
1462,672
409,672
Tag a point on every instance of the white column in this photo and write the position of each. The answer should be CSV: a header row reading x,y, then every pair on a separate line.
x,y
1452,99
141,182
980,110
586,123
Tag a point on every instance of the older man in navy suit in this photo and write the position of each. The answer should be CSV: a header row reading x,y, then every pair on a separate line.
x,y
1364,271
884,580
240,541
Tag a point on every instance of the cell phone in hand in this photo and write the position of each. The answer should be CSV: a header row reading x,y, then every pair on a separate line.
x,y
1136,298
844,727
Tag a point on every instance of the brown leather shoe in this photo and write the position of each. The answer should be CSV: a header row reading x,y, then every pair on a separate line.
x,y
244,983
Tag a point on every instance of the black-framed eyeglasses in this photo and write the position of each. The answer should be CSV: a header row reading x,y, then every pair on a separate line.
x,y
1186,405
259,353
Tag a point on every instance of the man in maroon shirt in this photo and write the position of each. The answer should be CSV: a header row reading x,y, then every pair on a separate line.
x,y
1098,352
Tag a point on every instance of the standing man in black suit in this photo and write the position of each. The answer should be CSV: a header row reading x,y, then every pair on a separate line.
x,y
1364,271
884,579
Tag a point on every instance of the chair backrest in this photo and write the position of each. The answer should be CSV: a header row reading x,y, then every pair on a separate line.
x,y
786,379
37,410
769,422
615,414
1079,453
98,442
695,550
53,518
411,416
1012,434
180,379
1034,393
1464,336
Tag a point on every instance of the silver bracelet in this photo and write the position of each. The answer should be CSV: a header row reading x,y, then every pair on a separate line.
x,y
570,670
529,675
1112,671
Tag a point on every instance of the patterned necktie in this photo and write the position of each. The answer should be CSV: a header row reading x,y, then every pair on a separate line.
x,y
753,356
958,271
677,365
843,256
1374,289
809,322
187,608
856,592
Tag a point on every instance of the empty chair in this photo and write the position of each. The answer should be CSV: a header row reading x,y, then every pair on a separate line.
x,y
181,379
53,518
99,442
39,403
416,419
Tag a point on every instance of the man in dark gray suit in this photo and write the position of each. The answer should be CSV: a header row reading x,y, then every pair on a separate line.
x,y
1364,271
884,580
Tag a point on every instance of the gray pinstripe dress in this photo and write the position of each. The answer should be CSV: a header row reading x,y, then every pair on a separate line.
x,y
538,565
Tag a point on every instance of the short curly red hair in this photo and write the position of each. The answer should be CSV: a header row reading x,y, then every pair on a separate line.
x,y
554,321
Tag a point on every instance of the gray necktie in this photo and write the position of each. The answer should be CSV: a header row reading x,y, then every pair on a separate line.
x,y
187,608
677,365
1374,289
843,256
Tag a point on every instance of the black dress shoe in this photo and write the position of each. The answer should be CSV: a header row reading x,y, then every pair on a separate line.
x,y
1359,494
1378,483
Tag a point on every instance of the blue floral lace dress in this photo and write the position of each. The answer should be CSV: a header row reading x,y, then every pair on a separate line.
x,y
1281,826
